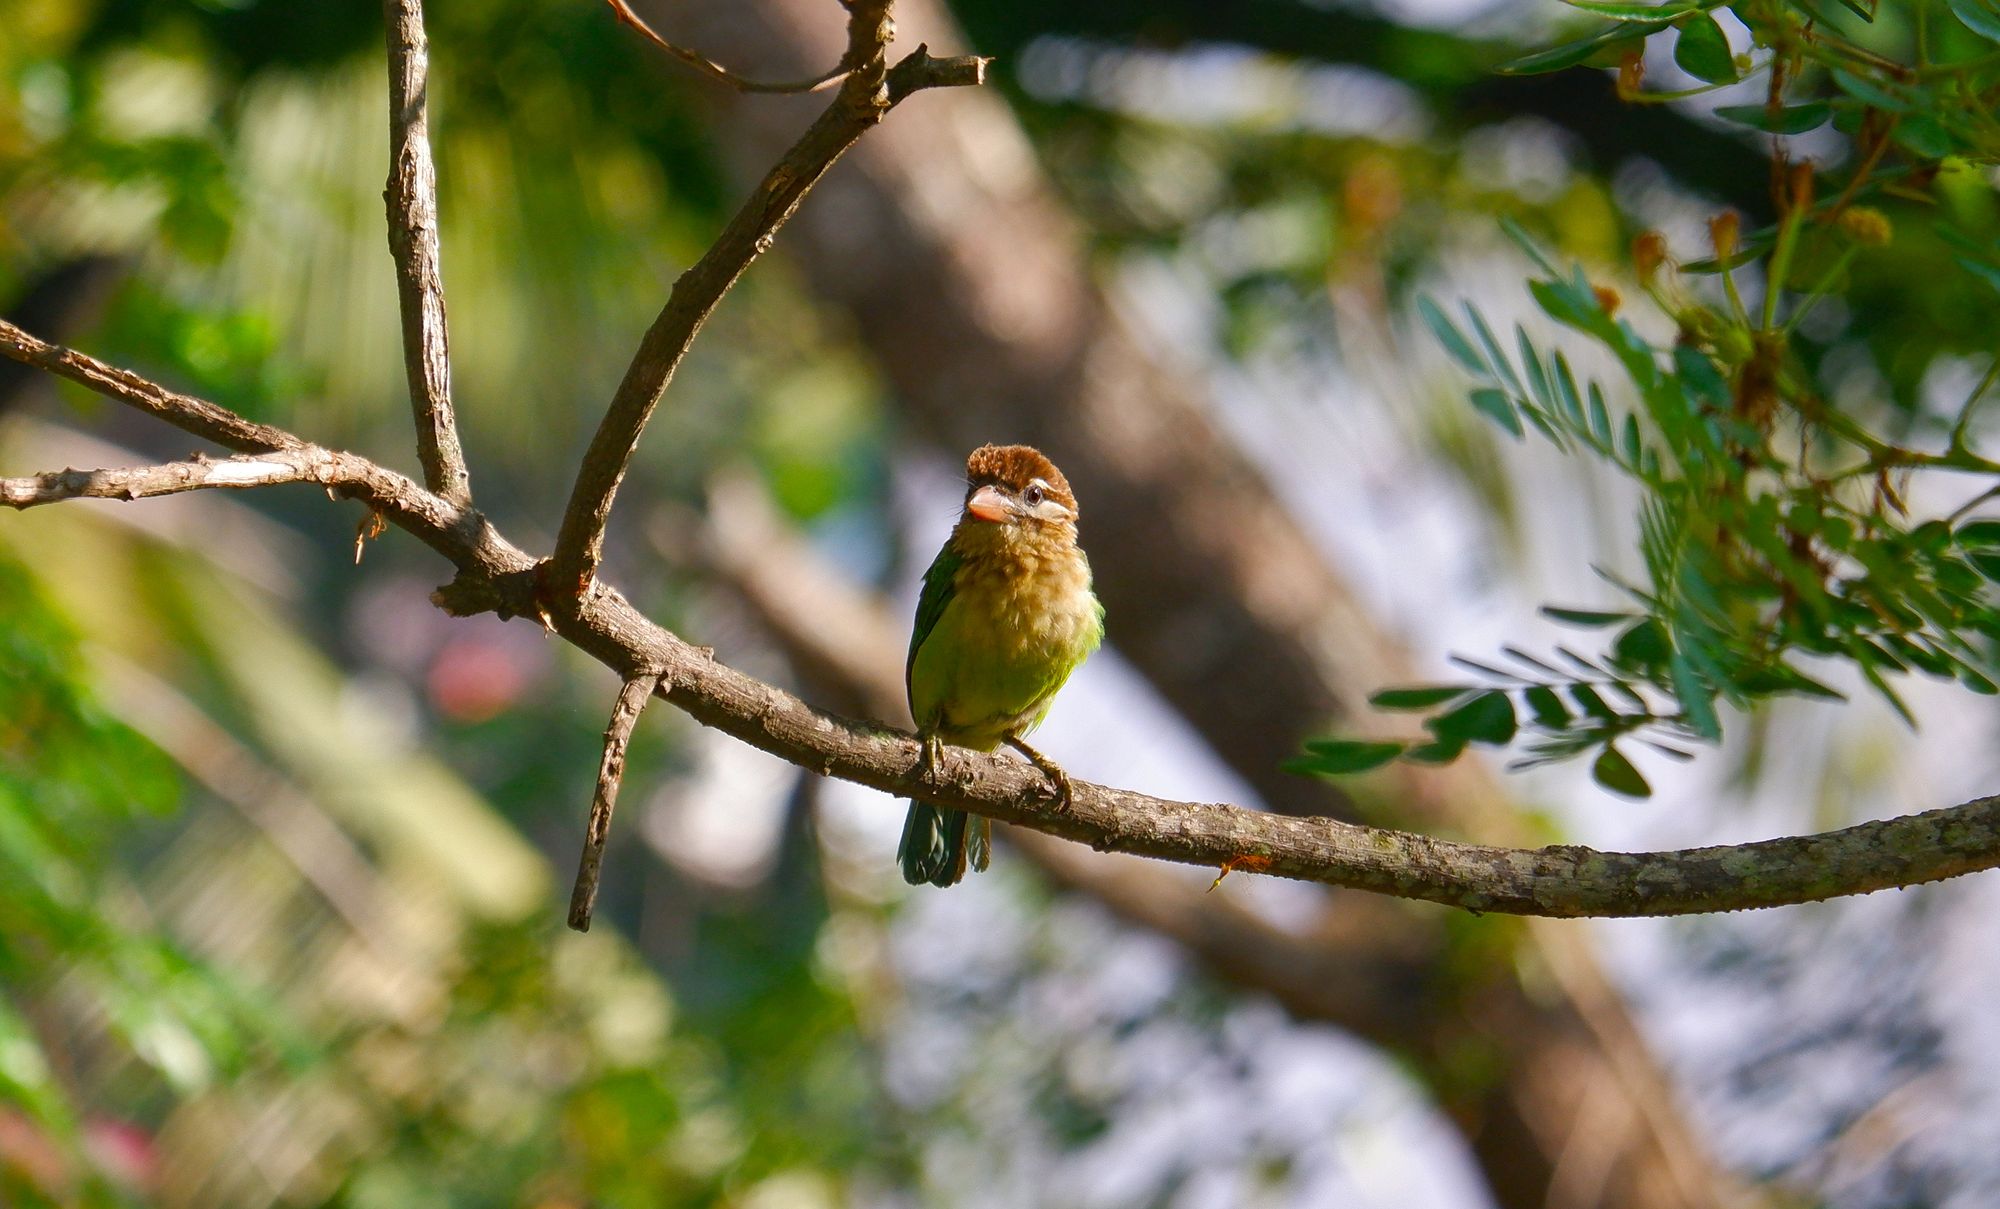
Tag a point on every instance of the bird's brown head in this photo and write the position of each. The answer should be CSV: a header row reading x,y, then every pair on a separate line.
x,y
1016,485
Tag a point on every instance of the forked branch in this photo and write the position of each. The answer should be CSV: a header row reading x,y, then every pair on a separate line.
x,y
870,89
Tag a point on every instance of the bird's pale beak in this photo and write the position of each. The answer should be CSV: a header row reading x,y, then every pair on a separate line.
x,y
989,505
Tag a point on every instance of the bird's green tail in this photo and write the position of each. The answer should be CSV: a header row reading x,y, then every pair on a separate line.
x,y
938,845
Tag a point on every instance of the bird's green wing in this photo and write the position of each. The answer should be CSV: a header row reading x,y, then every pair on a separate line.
x,y
931,604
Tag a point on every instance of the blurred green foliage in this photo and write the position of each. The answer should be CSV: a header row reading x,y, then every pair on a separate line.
x,y
1777,520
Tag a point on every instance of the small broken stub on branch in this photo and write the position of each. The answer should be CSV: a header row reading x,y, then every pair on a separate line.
x,y
371,527
1248,862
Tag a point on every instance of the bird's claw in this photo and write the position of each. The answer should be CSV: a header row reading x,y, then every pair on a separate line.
x,y
930,756
1061,791
1065,794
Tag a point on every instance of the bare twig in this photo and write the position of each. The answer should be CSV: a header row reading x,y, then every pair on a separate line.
x,y
458,533
198,416
870,89
411,197
172,478
632,700
712,69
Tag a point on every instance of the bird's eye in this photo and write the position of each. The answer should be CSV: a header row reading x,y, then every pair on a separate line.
x,y
1033,495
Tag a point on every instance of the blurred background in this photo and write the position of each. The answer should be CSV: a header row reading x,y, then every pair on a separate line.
x,y
283,848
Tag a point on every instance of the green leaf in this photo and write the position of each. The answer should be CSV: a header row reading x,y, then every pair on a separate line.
x,y
1600,419
1609,40
1869,92
1696,698
1338,757
1980,269
1642,646
1702,50
1613,771
1783,678
1420,697
1443,751
1979,533
1548,708
1495,359
1538,374
1982,17
1454,341
1629,12
1586,618
1924,135
1976,682
1496,406
1591,703
1487,718
1792,119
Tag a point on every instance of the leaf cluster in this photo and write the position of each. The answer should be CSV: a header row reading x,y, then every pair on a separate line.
x,y
1775,526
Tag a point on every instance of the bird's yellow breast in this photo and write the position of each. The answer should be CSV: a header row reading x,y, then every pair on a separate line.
x,y
1021,617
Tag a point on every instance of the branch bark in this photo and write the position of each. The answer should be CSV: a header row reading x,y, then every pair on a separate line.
x,y
632,700
171,478
1561,880
870,90
411,197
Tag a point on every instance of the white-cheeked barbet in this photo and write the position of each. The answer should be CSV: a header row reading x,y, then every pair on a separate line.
x,y
1006,615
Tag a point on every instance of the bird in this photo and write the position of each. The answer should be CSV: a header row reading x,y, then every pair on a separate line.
x,y
1007,612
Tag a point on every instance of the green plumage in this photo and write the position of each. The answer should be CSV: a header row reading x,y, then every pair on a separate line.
x,y
1005,616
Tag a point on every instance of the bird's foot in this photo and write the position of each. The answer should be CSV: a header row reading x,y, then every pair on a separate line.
x,y
1060,787
929,758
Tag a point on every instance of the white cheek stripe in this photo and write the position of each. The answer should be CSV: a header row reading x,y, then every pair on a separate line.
x,y
1048,509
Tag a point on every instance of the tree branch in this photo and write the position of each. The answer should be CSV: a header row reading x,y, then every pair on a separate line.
x,y
1562,880
716,71
411,197
172,478
198,416
632,700
869,91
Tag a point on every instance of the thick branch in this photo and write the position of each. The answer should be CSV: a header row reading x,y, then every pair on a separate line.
x,y
869,91
632,700
1562,880
413,241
